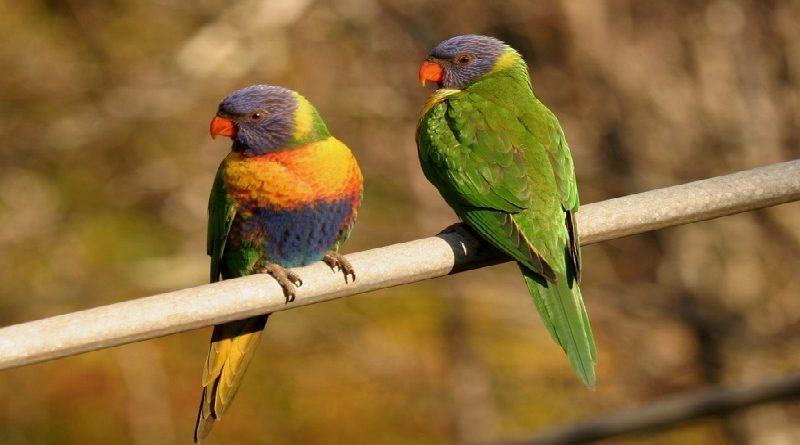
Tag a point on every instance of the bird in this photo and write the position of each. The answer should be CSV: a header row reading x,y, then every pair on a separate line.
x,y
286,195
499,158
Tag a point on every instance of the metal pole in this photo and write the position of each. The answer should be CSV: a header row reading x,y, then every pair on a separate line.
x,y
404,263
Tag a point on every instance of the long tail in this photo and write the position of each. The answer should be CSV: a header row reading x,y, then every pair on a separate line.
x,y
561,307
233,346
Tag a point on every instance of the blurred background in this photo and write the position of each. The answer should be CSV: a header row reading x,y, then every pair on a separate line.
x,y
106,165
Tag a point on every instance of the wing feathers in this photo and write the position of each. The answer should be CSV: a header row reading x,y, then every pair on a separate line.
x,y
505,233
574,245
221,213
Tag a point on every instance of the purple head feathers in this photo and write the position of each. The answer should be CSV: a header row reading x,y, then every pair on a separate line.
x,y
263,117
466,58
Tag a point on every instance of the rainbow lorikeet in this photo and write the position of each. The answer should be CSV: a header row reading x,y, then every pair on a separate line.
x,y
499,158
286,196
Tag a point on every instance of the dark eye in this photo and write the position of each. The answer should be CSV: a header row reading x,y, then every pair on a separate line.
x,y
463,58
257,116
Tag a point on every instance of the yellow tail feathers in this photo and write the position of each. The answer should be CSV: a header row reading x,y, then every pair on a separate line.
x,y
233,346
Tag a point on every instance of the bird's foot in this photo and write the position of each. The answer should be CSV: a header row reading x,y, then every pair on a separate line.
x,y
337,261
288,280
471,238
453,228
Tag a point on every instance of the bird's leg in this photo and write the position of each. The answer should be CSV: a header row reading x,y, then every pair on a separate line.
x,y
288,280
337,261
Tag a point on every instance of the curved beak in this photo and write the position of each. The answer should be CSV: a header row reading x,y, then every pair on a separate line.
x,y
221,126
432,71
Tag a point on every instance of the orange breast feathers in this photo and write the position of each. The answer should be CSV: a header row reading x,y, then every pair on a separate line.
x,y
322,171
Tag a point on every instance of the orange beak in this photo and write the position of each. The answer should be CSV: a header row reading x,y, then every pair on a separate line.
x,y
430,71
221,126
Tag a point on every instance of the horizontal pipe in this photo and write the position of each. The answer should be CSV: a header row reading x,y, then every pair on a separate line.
x,y
403,263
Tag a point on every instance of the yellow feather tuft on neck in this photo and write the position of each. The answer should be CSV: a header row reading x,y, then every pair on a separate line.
x,y
303,117
506,60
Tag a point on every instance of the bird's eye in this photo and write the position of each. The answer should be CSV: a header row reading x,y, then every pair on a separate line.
x,y
257,116
463,58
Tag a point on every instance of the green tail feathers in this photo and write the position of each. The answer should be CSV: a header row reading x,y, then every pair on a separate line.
x,y
562,311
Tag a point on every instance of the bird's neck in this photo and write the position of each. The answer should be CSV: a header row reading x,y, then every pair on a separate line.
x,y
308,125
512,80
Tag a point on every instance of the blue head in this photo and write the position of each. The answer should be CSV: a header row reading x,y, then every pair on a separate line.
x,y
259,119
459,61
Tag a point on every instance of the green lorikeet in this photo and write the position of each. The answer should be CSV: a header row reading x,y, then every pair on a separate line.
x,y
286,196
499,158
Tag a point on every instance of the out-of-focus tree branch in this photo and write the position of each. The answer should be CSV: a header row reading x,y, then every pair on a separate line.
x,y
669,412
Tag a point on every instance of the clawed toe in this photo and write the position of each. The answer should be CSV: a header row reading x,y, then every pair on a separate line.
x,y
286,278
294,278
466,232
455,227
460,228
337,261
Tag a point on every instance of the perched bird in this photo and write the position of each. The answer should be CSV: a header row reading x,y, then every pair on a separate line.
x,y
499,158
286,196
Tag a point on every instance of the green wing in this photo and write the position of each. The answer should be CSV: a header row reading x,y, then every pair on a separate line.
x,y
558,154
479,162
221,212
506,170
